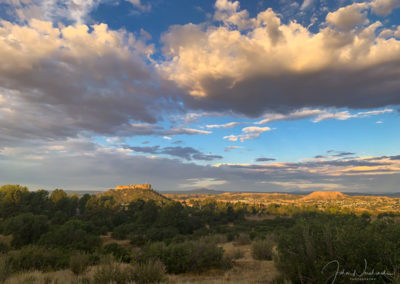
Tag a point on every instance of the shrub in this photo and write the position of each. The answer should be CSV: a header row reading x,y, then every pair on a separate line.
x,y
119,252
187,256
262,249
73,235
38,258
110,271
242,239
306,250
152,271
5,268
4,247
235,253
78,263
26,228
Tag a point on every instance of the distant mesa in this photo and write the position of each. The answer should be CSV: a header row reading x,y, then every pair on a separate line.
x,y
125,194
134,186
324,195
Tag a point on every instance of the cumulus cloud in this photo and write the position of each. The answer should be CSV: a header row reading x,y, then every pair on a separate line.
x,y
346,18
250,132
384,7
61,81
275,66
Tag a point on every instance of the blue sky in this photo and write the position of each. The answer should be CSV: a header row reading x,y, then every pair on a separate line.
x,y
241,96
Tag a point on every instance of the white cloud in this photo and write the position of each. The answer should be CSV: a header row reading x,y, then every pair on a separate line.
x,y
230,148
344,115
226,125
318,115
281,66
202,182
250,132
397,32
306,4
138,4
167,138
348,17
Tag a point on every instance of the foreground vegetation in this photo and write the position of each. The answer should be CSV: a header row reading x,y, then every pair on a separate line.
x,y
98,239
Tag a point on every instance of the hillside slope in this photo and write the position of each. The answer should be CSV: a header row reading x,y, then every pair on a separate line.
x,y
325,195
126,194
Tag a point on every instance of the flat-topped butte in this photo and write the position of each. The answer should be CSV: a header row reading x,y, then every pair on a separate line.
x,y
133,186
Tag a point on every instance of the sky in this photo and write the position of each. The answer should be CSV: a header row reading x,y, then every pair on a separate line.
x,y
261,96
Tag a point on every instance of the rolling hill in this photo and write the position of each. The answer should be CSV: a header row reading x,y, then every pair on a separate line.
x,y
127,193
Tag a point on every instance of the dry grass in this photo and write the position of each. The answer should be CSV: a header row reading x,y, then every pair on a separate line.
x,y
107,239
59,277
6,239
244,270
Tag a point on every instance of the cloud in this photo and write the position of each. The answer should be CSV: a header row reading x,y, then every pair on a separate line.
x,y
384,7
306,4
202,183
72,11
138,4
332,154
230,148
186,131
90,166
346,18
167,138
269,65
250,132
64,81
397,32
226,125
147,150
186,153
265,159
344,115
318,115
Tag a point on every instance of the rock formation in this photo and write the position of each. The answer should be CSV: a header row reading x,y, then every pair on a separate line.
x,y
133,186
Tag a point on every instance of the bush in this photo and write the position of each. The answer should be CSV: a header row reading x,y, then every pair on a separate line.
x,y
242,240
187,256
110,271
306,250
5,268
4,247
262,249
119,252
78,263
235,254
38,258
73,235
152,271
